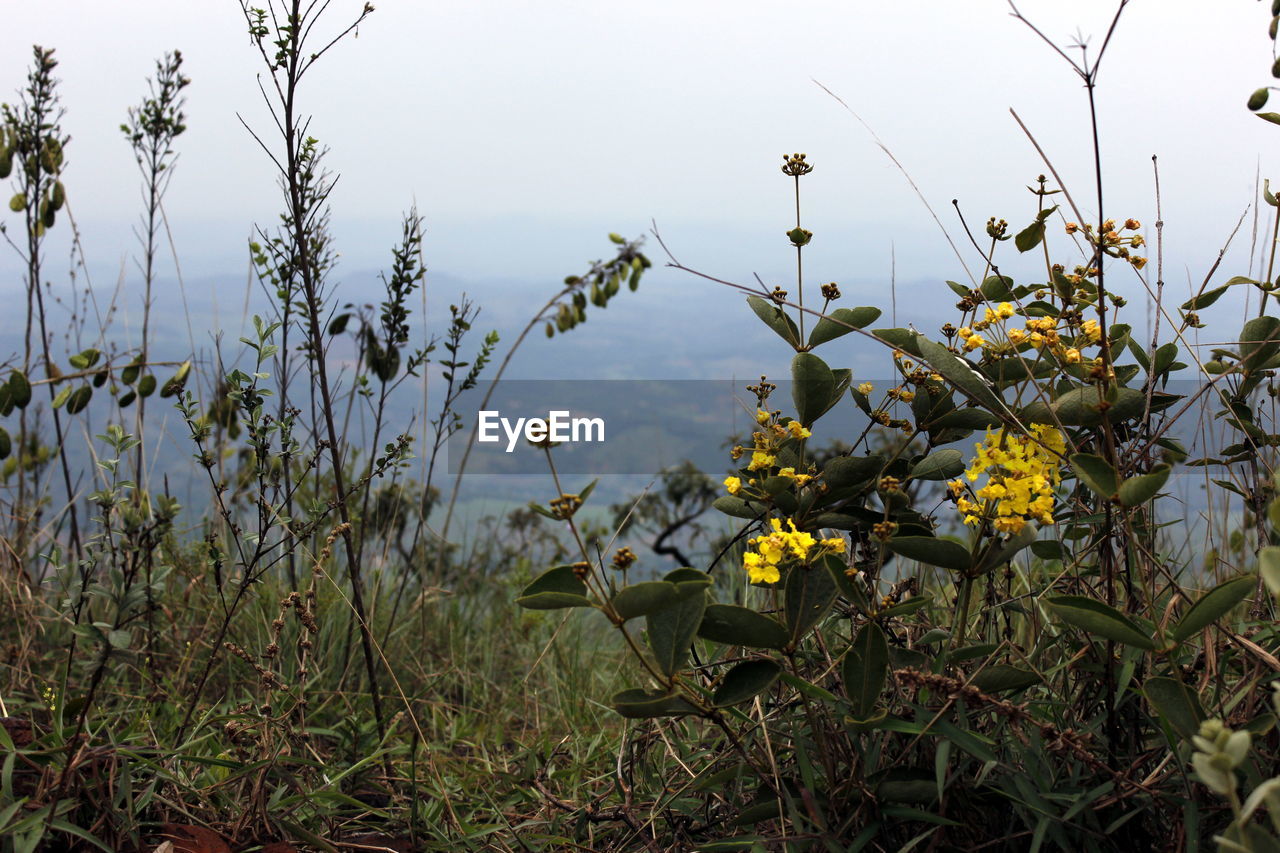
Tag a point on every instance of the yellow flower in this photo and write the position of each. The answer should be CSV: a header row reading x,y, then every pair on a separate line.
x,y
1017,336
1022,474
790,474
732,485
955,487
964,332
760,571
760,459
1071,355
1004,310
974,342
866,388
797,430
1138,262
836,545
762,417
1091,330
1010,524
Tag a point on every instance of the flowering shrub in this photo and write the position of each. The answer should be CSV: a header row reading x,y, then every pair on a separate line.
x,y
973,601
923,640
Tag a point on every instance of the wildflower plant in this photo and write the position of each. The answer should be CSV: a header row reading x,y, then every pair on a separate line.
x,y
972,609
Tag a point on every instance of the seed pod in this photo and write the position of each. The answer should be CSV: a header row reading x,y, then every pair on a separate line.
x,y
18,203
1275,22
147,385
1258,99
126,398
47,215
1275,7
6,445
6,163
551,330
59,196
100,378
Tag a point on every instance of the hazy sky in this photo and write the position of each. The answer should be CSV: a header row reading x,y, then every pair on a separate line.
x,y
525,131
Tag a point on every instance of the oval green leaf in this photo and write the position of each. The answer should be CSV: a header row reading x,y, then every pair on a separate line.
x,y
741,626
1098,619
1212,606
746,681
555,588
933,552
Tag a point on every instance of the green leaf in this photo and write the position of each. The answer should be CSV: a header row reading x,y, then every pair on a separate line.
x,y
79,399
1269,567
741,626
641,599
1259,341
1003,677
671,630
147,385
1136,491
1212,606
178,380
996,287
839,321
1048,549
1032,235
812,386
775,318
1009,548
906,340
865,667
1099,619
968,418
851,470
19,389
938,465
638,704
1207,298
1176,703
809,591
933,552
555,588
688,581
61,399
737,507
961,374
86,359
745,681
1096,473
1081,407
903,608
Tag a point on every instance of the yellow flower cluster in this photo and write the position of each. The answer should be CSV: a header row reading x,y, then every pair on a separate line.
x,y
765,444
780,546
1022,474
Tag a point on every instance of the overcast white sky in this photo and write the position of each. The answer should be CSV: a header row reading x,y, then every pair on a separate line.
x,y
527,130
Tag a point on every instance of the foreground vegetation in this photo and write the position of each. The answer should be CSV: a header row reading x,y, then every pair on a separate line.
x,y
974,625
